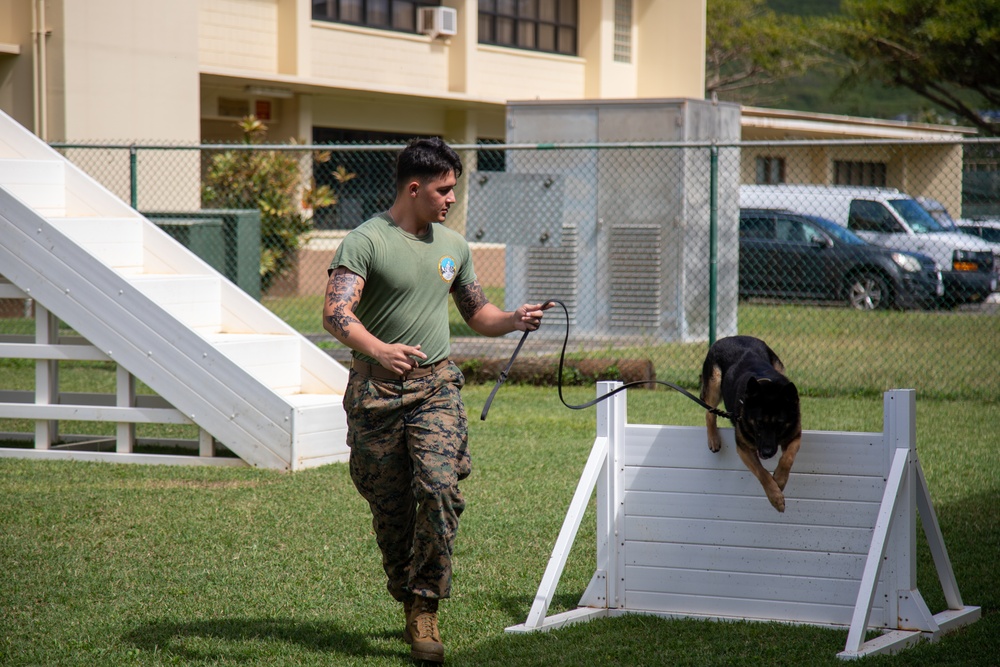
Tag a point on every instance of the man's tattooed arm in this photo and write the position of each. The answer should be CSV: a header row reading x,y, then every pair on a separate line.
x,y
343,293
490,320
470,299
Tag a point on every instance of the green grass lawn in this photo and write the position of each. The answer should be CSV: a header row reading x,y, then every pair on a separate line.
x,y
105,564
829,351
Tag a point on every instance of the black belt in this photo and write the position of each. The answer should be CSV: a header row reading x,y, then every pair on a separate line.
x,y
375,371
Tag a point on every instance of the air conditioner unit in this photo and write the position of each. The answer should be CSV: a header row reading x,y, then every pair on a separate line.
x,y
437,21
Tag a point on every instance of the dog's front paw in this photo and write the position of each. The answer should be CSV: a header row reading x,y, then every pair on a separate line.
x,y
714,442
781,478
777,500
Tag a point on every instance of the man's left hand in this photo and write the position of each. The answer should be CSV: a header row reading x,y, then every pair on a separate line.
x,y
529,316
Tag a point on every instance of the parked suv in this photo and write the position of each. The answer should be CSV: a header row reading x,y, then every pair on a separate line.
x,y
890,218
987,230
792,256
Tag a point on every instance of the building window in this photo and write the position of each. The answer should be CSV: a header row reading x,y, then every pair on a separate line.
x,y
398,15
770,170
373,188
536,25
233,108
847,172
490,159
623,31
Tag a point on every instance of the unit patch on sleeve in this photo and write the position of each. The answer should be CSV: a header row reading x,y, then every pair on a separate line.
x,y
447,269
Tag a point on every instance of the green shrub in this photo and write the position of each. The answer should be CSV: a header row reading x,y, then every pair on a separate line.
x,y
272,182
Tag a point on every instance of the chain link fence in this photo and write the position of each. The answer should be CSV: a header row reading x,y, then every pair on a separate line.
x,y
886,280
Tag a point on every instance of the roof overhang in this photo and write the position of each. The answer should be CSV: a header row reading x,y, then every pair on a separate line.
x,y
759,123
346,89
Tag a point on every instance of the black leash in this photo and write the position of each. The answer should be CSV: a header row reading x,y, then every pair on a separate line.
x,y
503,376
562,357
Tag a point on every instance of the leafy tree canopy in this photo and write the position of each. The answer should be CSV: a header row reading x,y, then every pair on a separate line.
x,y
749,46
946,51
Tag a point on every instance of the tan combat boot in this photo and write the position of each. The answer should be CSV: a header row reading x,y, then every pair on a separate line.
x,y
423,629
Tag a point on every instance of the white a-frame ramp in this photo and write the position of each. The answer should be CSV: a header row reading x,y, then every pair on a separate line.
x,y
684,532
214,356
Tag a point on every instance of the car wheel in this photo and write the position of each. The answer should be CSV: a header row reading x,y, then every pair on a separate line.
x,y
868,291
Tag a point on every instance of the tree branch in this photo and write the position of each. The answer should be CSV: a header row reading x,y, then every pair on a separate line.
x,y
949,101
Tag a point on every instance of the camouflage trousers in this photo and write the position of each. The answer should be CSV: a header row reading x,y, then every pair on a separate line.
x,y
409,449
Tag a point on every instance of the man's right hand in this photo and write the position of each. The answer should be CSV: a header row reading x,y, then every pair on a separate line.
x,y
400,359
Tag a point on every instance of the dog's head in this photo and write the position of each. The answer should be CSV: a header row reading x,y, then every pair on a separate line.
x,y
769,416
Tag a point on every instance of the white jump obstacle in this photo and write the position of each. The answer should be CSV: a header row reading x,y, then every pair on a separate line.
x,y
685,533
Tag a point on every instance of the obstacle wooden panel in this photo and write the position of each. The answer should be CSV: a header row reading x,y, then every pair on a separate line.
x,y
684,532
701,537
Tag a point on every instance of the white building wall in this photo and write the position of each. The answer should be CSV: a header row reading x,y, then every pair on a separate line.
x,y
113,76
511,74
358,57
239,34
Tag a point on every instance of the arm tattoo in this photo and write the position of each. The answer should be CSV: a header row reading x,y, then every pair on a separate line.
x,y
469,299
342,296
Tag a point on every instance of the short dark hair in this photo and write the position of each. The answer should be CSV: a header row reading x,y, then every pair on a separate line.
x,y
426,158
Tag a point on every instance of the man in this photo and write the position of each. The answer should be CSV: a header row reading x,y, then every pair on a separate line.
x,y
387,300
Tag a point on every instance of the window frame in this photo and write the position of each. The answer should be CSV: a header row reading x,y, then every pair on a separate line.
x,y
862,218
623,31
864,173
335,9
525,21
764,172
757,227
373,188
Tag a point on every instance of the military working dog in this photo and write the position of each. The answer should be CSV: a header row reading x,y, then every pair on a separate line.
x,y
749,377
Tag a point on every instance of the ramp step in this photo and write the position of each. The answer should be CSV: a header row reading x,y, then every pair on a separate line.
x,y
320,429
314,400
274,359
193,299
40,184
115,241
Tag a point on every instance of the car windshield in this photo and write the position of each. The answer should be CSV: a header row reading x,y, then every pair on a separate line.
x,y
986,232
841,234
916,216
939,213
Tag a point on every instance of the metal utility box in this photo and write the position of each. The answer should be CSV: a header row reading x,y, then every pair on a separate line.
x,y
623,232
202,236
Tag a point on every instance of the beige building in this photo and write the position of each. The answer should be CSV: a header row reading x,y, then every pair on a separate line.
x,y
182,71
917,158
374,70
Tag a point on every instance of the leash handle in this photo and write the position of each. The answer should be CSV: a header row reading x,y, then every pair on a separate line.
x,y
562,357
503,376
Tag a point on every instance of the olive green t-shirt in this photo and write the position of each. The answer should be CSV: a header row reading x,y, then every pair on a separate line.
x,y
407,282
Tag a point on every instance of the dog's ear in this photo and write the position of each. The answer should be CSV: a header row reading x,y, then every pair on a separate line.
x,y
791,391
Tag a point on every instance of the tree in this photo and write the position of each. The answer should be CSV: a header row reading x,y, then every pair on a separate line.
x,y
946,51
748,46
271,181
